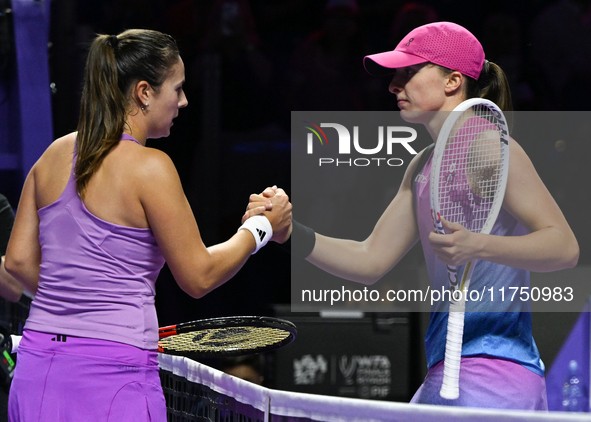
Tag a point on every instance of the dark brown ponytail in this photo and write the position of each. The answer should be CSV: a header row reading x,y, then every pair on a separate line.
x,y
491,85
102,111
114,65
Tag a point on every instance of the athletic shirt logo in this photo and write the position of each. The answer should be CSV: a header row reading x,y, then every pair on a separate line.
x,y
421,178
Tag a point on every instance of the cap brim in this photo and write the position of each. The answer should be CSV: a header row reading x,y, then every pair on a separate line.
x,y
385,63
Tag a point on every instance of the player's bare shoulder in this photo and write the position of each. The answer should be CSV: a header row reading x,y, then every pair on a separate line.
x,y
62,149
146,170
56,160
151,163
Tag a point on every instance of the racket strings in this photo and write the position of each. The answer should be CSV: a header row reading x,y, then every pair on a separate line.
x,y
225,340
471,169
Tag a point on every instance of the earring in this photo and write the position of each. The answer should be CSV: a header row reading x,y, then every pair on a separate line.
x,y
144,107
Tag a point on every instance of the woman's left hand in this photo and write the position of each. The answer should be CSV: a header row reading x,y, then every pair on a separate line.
x,y
457,247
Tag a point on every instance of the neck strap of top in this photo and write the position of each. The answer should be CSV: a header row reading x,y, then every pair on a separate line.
x,y
127,137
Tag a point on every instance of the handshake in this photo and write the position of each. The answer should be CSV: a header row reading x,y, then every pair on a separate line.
x,y
274,204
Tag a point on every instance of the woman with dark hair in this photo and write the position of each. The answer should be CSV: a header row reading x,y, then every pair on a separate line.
x,y
99,215
435,68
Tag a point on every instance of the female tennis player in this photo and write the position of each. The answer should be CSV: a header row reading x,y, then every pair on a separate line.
x,y
435,68
99,215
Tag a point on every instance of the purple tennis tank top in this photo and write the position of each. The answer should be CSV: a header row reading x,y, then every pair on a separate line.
x,y
97,278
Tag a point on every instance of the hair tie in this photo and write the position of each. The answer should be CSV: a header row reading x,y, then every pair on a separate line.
x,y
113,40
486,66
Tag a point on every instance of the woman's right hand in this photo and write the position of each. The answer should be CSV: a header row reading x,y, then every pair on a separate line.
x,y
258,203
274,203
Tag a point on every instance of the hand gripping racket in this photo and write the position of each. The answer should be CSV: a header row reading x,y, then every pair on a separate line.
x,y
468,179
226,336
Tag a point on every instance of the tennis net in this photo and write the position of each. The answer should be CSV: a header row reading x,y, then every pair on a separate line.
x,y
196,392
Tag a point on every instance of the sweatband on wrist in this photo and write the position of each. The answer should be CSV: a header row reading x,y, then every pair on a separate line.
x,y
261,229
304,240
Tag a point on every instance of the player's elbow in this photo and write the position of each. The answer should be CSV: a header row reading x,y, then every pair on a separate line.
x,y
370,275
370,279
563,253
567,256
196,293
14,266
198,283
572,255
195,289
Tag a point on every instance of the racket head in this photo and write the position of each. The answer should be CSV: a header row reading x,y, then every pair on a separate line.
x,y
470,166
226,336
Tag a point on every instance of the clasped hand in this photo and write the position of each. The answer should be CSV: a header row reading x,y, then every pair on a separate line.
x,y
274,204
458,246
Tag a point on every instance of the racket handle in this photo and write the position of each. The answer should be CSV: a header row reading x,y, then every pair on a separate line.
x,y
450,386
15,340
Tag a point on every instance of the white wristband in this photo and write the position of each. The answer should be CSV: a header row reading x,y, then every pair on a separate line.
x,y
261,229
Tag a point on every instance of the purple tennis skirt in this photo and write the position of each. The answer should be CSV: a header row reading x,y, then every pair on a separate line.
x,y
488,382
62,378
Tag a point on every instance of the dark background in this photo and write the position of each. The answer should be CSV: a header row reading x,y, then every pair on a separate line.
x,y
249,63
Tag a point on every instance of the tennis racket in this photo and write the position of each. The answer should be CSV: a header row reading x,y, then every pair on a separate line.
x,y
226,336
468,179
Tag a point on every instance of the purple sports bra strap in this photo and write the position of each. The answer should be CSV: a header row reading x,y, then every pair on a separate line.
x,y
127,137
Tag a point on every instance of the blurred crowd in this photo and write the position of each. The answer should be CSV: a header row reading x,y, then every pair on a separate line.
x,y
250,62
285,55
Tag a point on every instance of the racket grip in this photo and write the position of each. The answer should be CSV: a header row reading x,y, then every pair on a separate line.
x,y
450,386
15,340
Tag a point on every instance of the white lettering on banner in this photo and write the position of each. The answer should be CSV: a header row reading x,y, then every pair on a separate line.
x,y
309,370
365,369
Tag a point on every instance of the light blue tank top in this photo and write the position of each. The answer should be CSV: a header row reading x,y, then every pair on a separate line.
x,y
499,329
97,278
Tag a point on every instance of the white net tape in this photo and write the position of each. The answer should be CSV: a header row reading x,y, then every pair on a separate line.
x,y
232,399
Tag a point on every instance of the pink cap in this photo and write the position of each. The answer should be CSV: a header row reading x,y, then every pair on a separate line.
x,y
444,43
